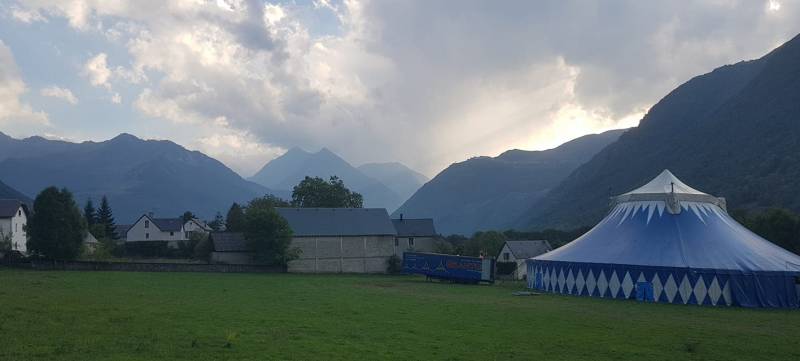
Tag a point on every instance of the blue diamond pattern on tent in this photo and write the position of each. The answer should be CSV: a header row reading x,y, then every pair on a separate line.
x,y
676,242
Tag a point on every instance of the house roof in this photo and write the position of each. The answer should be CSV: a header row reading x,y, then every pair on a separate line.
x,y
201,224
168,224
90,238
422,227
528,249
308,222
122,230
9,207
228,242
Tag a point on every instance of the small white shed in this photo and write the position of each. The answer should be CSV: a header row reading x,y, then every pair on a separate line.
x,y
519,251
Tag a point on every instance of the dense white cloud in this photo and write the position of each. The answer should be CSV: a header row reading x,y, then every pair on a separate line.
x,y
425,83
16,116
60,93
96,69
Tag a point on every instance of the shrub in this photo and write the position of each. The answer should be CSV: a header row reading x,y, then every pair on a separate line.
x,y
150,249
506,268
5,241
203,249
186,248
394,264
268,234
444,247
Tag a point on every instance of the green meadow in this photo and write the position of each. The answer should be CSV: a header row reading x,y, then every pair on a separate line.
x,y
205,316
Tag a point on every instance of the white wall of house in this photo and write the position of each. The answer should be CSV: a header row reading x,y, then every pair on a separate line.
x,y
146,230
15,226
506,255
192,226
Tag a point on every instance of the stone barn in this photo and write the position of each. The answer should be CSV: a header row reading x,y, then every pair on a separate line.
x,y
340,240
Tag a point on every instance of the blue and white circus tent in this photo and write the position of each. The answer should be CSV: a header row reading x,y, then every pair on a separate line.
x,y
667,242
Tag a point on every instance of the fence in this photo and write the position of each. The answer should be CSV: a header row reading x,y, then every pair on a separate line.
x,y
51,265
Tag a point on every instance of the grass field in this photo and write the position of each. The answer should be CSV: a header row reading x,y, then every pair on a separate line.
x,y
194,316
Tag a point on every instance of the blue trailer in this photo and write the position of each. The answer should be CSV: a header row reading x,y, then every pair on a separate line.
x,y
449,267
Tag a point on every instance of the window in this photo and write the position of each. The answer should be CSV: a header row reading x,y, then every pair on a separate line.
x,y
147,236
411,241
19,213
186,235
171,234
505,256
396,242
16,227
146,224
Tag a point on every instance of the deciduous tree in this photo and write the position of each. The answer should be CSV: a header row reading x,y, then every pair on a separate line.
x,y
56,228
316,192
268,234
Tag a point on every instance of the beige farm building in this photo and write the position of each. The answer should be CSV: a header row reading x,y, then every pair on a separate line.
x,y
340,240
414,235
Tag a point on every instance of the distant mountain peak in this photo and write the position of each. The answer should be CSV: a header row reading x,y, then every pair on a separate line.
x,y
295,150
325,152
136,175
286,171
485,193
125,137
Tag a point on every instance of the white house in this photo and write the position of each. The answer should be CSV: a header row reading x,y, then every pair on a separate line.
x,y
171,230
13,219
519,251
196,225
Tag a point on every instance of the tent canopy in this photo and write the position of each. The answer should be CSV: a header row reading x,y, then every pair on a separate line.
x,y
671,227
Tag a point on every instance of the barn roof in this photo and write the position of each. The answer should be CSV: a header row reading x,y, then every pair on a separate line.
x,y
309,222
9,207
228,242
421,227
529,248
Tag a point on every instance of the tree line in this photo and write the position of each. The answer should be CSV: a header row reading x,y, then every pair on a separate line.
x,y
777,225
58,227
489,243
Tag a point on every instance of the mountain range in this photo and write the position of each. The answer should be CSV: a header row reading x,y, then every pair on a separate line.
x,y
7,192
485,193
137,175
383,185
734,132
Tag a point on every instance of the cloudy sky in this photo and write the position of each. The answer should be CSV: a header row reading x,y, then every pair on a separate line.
x,y
426,83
